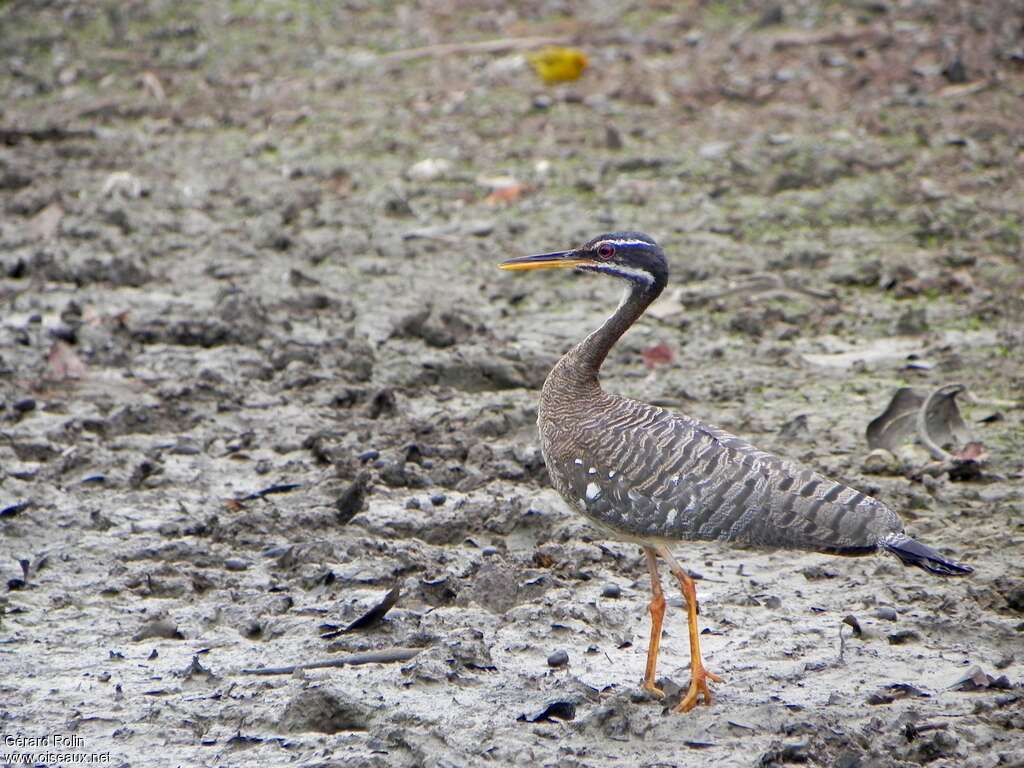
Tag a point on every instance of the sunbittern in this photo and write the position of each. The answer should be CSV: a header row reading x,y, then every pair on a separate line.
x,y
650,476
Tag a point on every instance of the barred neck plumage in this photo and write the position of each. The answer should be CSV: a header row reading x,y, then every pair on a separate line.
x,y
583,362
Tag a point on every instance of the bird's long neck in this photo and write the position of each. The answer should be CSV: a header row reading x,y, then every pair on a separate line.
x,y
589,354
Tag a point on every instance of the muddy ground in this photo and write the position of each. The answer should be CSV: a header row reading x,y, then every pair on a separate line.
x,y
257,368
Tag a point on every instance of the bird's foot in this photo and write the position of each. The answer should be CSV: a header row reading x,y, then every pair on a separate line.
x,y
698,687
652,689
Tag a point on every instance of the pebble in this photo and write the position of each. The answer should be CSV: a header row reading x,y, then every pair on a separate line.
x,y
236,564
430,169
714,150
438,499
558,659
186,446
880,462
903,636
25,405
158,627
886,613
611,590
369,455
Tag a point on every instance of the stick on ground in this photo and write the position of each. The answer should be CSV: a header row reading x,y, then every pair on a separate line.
x,y
383,656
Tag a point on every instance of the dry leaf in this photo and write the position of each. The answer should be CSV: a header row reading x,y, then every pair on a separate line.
x,y
508,194
371,618
936,422
45,223
557,64
973,451
942,420
659,354
63,363
897,422
935,419
153,85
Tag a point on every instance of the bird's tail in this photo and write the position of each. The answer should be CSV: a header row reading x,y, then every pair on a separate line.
x,y
912,552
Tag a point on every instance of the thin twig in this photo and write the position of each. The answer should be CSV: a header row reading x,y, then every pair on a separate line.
x,y
12,136
480,46
765,284
825,37
384,656
993,402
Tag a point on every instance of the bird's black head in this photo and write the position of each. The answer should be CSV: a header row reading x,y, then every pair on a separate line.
x,y
631,256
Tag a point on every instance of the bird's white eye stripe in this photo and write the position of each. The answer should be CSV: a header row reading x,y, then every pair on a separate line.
x,y
629,273
641,243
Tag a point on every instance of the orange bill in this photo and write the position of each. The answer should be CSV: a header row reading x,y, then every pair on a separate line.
x,y
559,259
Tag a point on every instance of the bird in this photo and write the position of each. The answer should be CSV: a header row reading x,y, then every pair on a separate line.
x,y
653,477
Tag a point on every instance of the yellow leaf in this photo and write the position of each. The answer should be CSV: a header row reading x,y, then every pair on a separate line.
x,y
558,65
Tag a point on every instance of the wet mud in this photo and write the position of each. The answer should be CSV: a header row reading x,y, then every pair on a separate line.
x,y
266,401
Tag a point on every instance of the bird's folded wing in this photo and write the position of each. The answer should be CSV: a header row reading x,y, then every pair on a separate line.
x,y
655,474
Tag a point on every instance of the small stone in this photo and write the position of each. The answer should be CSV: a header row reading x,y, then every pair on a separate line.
x,y
369,455
818,572
236,564
479,227
352,500
613,591
393,474
25,405
438,499
880,462
1015,599
903,636
913,322
612,137
955,72
317,710
714,150
429,169
158,627
558,659
412,503
186,446
886,613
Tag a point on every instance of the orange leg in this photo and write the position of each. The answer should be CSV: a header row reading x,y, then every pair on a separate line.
x,y
698,675
657,609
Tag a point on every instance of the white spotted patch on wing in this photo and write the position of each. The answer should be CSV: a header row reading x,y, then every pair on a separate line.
x,y
593,491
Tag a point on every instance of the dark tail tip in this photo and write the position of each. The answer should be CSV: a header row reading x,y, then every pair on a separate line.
x,y
912,552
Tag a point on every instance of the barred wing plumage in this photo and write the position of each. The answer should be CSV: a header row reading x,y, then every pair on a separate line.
x,y
653,474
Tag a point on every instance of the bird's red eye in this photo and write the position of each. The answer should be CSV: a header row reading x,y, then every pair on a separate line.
x,y
606,251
